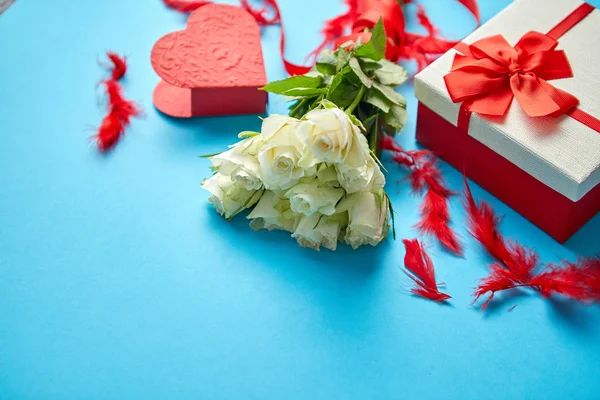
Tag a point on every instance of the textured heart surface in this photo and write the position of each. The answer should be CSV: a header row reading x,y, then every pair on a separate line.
x,y
218,54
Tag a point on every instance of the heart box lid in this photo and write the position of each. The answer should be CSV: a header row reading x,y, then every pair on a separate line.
x,y
219,48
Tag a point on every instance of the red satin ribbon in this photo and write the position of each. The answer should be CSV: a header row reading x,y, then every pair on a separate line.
x,y
262,18
490,73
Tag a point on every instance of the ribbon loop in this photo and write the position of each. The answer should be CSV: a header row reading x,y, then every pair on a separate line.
x,y
494,72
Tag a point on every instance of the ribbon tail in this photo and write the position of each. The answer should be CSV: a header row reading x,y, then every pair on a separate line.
x,y
564,100
538,98
291,68
493,104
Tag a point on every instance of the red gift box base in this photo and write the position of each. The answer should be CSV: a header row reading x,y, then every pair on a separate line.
x,y
552,212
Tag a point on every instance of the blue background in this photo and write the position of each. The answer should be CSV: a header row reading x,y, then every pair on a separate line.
x,y
118,281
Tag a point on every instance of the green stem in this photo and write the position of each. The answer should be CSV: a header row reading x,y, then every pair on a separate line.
x,y
297,107
315,103
357,100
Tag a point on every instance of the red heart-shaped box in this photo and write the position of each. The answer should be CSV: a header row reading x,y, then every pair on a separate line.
x,y
213,67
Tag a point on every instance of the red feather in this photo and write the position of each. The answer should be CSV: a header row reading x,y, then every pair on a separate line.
x,y
516,265
424,174
185,6
418,262
499,279
120,110
483,224
109,132
124,109
578,280
119,65
388,143
568,281
435,215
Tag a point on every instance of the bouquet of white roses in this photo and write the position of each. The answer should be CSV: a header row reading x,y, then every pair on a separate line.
x,y
315,173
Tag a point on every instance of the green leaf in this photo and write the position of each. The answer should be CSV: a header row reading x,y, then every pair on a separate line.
x,y
390,74
247,134
388,129
359,73
305,92
294,82
374,49
357,122
392,212
390,94
370,65
210,155
344,94
327,62
343,57
342,91
338,79
377,99
396,117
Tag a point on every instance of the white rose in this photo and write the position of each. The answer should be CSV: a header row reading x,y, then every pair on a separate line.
x,y
327,175
368,216
367,177
227,197
305,233
329,133
240,163
316,230
310,198
329,229
281,153
273,213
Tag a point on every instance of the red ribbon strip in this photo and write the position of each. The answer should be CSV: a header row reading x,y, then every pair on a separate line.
x,y
262,18
490,73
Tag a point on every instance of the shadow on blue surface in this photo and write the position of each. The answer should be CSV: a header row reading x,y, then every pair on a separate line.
x,y
201,132
586,242
571,315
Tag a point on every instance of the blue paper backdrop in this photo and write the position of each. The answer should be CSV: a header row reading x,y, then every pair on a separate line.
x,y
118,281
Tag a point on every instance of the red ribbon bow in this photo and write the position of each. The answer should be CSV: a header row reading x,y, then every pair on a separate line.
x,y
495,72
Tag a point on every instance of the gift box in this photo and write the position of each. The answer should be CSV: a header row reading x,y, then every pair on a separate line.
x,y
515,106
